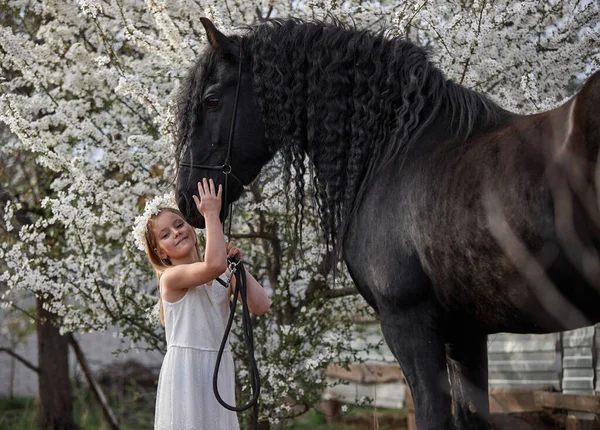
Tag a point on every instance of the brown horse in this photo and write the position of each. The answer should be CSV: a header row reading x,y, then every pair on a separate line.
x,y
455,217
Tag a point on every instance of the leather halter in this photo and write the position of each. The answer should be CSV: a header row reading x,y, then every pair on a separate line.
x,y
225,168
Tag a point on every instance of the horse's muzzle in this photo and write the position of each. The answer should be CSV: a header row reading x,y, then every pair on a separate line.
x,y
190,212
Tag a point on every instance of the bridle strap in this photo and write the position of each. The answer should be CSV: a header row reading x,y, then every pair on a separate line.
x,y
227,162
225,168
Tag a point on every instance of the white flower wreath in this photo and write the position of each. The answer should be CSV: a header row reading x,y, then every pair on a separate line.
x,y
153,206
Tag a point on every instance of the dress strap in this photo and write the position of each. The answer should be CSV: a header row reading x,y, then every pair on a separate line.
x,y
222,282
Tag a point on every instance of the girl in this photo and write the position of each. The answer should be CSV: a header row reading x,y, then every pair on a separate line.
x,y
194,312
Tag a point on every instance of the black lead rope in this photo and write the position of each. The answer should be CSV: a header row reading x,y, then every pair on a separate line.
x,y
237,269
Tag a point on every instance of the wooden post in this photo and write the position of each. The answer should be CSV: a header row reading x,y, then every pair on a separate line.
x,y
411,421
581,421
332,410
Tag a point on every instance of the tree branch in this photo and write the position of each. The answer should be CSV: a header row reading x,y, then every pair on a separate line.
x,y
20,359
261,235
96,389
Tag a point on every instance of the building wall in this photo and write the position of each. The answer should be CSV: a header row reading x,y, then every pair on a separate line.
x,y
524,361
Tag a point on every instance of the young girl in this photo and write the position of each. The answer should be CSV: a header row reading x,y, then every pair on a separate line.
x,y
194,311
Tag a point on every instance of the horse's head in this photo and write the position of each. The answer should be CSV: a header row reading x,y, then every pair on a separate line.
x,y
220,130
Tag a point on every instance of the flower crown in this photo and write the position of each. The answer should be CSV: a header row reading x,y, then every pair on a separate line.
x,y
153,207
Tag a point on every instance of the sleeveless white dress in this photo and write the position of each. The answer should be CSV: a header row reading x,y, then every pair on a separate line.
x,y
194,328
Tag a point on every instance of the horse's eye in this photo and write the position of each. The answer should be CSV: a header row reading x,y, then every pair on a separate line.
x,y
211,102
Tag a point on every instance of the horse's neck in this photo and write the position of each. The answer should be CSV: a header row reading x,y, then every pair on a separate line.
x,y
461,114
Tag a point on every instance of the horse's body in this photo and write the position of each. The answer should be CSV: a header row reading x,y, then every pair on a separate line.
x,y
483,222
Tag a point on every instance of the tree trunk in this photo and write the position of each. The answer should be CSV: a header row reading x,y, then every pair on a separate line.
x,y
56,400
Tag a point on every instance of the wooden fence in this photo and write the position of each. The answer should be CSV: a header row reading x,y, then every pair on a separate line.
x,y
527,374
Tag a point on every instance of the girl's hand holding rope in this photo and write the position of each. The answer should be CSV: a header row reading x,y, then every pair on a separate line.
x,y
233,251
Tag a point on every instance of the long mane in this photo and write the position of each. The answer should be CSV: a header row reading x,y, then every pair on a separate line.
x,y
351,100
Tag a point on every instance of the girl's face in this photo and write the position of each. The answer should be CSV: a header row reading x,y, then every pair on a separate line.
x,y
175,238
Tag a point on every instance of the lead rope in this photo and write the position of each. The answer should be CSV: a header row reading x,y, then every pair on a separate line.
x,y
236,268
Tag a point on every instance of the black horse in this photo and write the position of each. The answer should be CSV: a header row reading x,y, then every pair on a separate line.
x,y
455,217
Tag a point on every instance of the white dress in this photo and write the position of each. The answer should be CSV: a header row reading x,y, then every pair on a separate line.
x,y
194,328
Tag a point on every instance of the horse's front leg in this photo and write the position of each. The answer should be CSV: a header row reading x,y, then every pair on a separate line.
x,y
415,337
393,281
468,367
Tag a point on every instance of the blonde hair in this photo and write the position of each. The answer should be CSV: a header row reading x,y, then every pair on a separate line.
x,y
152,251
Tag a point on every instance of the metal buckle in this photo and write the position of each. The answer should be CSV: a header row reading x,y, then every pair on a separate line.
x,y
232,266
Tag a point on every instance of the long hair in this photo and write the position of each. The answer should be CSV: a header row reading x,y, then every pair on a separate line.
x,y
351,100
159,264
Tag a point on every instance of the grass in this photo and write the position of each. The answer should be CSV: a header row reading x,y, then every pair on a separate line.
x,y
15,414
313,420
355,418
134,410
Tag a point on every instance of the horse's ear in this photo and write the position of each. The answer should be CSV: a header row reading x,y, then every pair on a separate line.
x,y
219,42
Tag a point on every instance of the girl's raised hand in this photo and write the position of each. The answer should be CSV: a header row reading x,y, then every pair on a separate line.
x,y
209,201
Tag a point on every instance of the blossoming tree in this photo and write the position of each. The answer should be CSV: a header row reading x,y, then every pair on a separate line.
x,y
85,100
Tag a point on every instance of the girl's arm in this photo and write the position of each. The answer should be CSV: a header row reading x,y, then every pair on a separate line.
x,y
183,276
258,301
190,275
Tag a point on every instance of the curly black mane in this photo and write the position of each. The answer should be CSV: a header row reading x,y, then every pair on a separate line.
x,y
348,99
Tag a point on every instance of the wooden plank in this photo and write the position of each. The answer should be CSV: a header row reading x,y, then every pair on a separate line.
x,y
366,373
383,355
411,421
512,401
408,400
503,401
572,402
